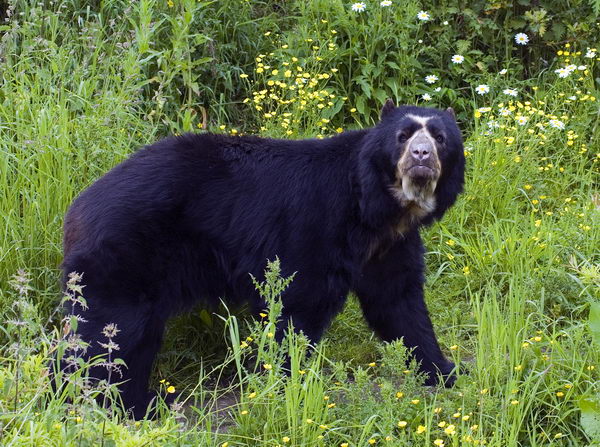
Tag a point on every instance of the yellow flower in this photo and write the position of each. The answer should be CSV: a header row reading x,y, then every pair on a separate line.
x,y
453,347
252,395
399,394
421,429
439,443
450,242
442,424
415,401
331,405
371,441
268,366
558,435
372,364
244,412
514,402
518,367
286,439
171,389
344,444
170,3
402,424
352,110
437,410
560,394
243,76
527,187
225,444
309,421
450,430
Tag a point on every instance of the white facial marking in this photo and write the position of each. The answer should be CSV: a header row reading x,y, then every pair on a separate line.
x,y
422,120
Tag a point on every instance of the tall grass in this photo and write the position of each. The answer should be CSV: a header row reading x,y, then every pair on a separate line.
x,y
512,269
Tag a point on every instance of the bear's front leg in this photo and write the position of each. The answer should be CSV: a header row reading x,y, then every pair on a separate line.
x,y
390,291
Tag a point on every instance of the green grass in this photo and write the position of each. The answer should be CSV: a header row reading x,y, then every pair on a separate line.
x,y
513,269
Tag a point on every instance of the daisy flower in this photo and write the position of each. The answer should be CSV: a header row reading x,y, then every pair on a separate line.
x,y
482,89
503,71
385,3
504,111
521,39
557,124
571,67
581,67
423,16
562,72
438,89
591,53
521,120
458,59
426,97
359,6
430,79
510,92
445,23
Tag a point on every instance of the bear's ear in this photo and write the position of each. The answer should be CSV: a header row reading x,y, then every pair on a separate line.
x,y
387,108
450,110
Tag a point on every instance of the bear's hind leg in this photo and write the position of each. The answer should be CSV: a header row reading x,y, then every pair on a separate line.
x,y
134,335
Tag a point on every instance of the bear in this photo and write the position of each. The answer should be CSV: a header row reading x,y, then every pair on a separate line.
x,y
189,219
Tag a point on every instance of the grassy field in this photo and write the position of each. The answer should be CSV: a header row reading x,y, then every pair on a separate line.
x,y
513,281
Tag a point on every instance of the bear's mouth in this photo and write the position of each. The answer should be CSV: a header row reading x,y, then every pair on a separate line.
x,y
421,174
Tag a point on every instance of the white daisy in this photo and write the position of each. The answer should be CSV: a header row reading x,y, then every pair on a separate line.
x,y
438,89
581,67
430,79
445,23
424,16
510,92
482,89
572,98
591,53
557,124
426,97
458,59
385,3
521,39
359,6
562,72
504,111
521,120
503,71
493,124
571,67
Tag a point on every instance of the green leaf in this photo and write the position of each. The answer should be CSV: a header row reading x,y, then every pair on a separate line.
x,y
360,105
590,417
206,318
594,322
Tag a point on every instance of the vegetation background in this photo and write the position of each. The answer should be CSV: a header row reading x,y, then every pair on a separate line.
x,y
513,269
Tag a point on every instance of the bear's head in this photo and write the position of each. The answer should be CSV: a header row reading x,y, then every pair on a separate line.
x,y
418,159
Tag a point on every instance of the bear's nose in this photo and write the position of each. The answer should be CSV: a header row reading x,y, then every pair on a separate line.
x,y
420,148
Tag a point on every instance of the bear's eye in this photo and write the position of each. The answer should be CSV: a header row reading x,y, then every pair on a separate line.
x,y
440,138
402,137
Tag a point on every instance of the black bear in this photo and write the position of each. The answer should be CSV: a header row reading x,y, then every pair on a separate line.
x,y
191,217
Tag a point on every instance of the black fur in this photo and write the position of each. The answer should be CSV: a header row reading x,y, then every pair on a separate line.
x,y
188,218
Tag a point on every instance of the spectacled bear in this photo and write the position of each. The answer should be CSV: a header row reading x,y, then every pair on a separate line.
x,y
191,217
